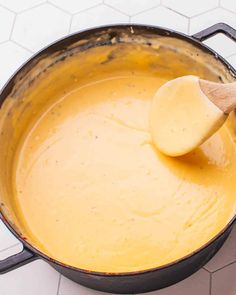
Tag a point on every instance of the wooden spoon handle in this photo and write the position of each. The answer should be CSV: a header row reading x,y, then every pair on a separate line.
x,y
222,95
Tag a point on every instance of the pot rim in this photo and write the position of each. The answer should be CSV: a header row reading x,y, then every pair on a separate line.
x,y
155,30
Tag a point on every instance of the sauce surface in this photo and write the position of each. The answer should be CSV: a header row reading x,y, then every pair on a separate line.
x,y
93,191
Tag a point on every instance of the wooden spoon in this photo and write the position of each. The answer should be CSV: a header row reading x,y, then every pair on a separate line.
x,y
186,111
222,95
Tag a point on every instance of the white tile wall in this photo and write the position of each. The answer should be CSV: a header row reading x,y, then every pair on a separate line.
x,y
15,54
39,26
11,250
232,60
67,286
229,4
209,18
132,7
99,15
74,6
222,44
28,25
18,6
164,17
7,240
191,8
36,278
7,19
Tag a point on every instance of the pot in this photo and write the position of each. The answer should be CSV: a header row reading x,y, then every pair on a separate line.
x,y
58,52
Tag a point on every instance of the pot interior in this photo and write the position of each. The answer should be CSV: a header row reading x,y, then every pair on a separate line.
x,y
85,58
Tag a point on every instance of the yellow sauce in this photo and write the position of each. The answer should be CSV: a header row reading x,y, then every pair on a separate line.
x,y
182,117
93,191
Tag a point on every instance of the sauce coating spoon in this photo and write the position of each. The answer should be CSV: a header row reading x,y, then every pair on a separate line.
x,y
186,111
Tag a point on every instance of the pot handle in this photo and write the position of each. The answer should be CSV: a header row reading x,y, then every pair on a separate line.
x,y
215,29
17,260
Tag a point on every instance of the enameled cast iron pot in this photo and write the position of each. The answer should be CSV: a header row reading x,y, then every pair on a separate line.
x,y
133,282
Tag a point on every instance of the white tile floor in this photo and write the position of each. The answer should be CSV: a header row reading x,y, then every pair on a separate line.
x,y
26,26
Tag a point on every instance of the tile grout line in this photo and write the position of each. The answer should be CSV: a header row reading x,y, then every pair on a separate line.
x,y
188,29
86,9
227,10
12,246
114,8
223,267
204,12
233,54
23,47
206,269
32,7
175,11
70,26
77,12
13,25
74,14
8,40
59,284
57,7
148,9
8,9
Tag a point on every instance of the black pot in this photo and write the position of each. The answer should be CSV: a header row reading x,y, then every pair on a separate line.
x,y
132,282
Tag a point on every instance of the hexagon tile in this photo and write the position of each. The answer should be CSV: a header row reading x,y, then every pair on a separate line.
x,y
18,6
36,278
27,26
74,6
223,281
164,17
229,4
6,22
132,7
222,44
190,8
16,56
39,26
100,15
210,18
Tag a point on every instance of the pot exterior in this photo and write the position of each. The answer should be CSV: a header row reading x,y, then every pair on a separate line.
x,y
148,281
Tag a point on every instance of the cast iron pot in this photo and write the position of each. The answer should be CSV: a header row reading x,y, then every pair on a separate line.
x,y
132,282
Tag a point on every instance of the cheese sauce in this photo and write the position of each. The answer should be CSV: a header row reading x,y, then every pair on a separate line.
x,y
94,192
